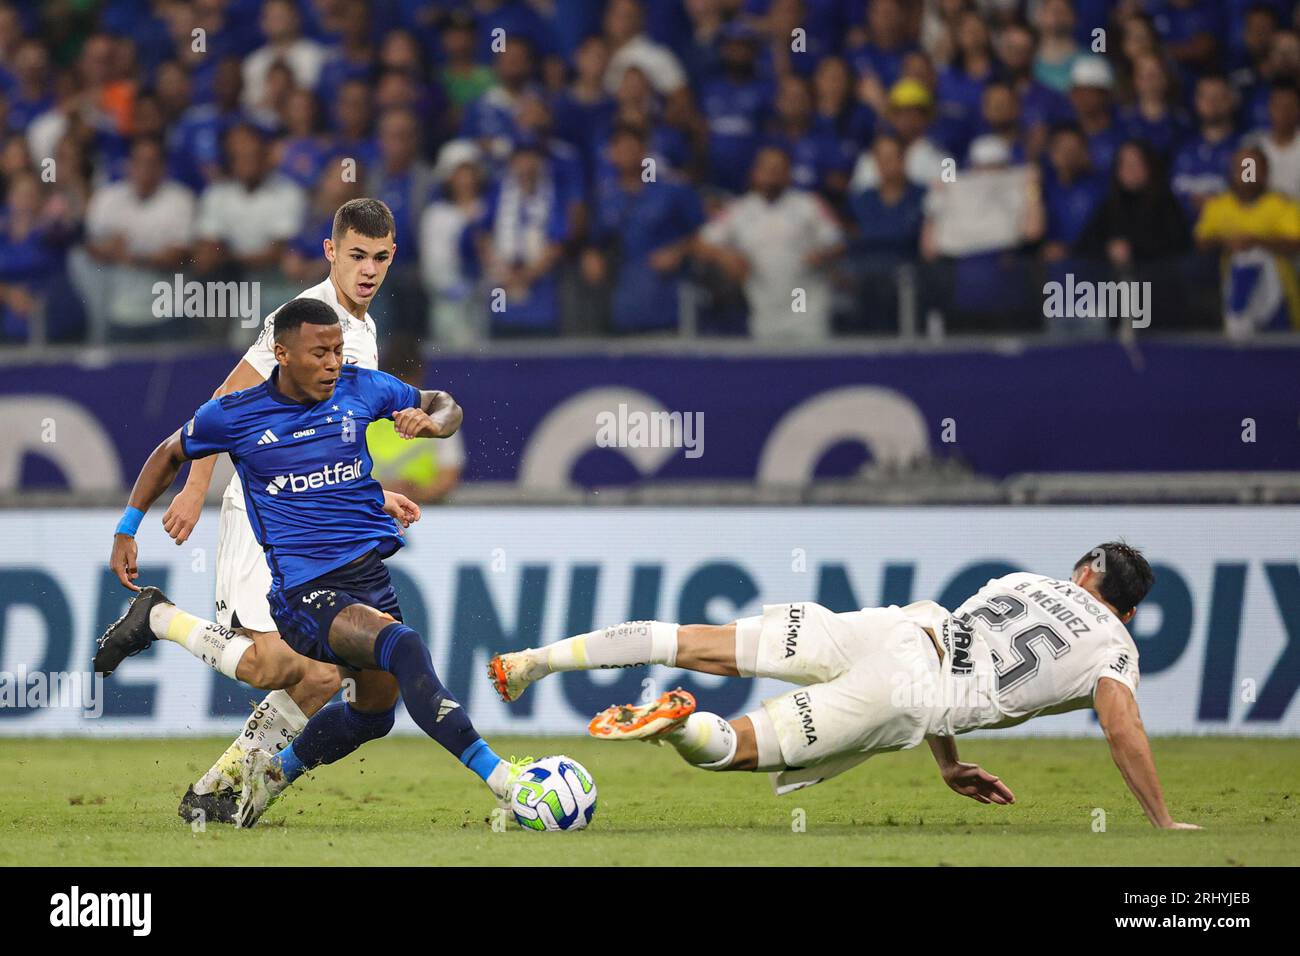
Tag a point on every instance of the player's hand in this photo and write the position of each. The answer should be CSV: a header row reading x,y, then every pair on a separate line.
x,y
414,423
401,509
182,515
972,780
122,561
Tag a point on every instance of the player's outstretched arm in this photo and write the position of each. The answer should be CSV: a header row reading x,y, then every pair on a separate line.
x,y
1117,710
968,779
183,513
437,417
155,477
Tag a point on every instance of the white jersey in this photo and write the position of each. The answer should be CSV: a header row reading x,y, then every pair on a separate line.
x,y
1026,645
360,347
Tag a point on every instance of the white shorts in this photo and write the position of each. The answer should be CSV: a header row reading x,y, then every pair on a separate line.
x,y
859,670
243,576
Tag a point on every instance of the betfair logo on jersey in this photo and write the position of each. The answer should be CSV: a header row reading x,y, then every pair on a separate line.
x,y
335,474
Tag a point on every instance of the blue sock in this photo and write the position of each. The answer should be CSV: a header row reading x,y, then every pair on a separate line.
x,y
290,765
332,733
480,758
399,650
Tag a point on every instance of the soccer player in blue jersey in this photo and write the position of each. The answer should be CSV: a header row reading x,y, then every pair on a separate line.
x,y
298,443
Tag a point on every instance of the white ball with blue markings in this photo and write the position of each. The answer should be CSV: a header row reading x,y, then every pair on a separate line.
x,y
554,793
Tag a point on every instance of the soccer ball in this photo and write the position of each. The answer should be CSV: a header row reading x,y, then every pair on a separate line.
x,y
555,793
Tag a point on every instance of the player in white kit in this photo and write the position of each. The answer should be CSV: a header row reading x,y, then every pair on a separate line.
x,y
359,250
884,679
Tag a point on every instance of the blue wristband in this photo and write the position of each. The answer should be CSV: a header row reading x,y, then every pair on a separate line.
x,y
130,522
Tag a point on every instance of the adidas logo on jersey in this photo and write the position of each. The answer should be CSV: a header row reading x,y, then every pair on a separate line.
x,y
445,707
335,474
268,438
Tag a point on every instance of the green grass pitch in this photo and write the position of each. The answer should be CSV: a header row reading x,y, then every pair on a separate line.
x,y
404,801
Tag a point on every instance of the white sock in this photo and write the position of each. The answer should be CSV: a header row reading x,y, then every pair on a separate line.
x,y
272,726
218,647
705,740
497,779
765,738
623,645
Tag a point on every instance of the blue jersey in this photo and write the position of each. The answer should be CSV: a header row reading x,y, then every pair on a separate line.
x,y
306,469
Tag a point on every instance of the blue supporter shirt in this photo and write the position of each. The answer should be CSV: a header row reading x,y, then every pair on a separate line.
x,y
306,470
1070,205
1201,169
734,112
636,224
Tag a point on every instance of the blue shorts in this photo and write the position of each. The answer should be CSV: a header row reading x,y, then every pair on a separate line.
x,y
304,614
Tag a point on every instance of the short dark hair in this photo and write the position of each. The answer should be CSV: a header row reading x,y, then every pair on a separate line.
x,y
1126,577
1284,86
365,216
290,316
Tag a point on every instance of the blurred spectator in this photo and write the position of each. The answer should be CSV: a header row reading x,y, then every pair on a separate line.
x,y
31,94
1139,220
735,105
196,146
1190,31
584,111
1091,82
1057,49
1255,36
304,262
490,119
564,165
463,78
138,231
1281,140
352,57
961,84
1000,117
33,238
246,219
1256,231
881,56
1072,191
1200,168
910,105
353,119
777,242
520,248
1152,117
837,107
403,181
1281,65
974,228
1041,107
282,27
304,150
889,215
1138,38
819,159
446,254
889,218
629,46
642,233
426,470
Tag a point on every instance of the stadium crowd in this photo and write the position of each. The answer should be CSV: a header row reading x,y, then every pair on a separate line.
x,y
783,169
